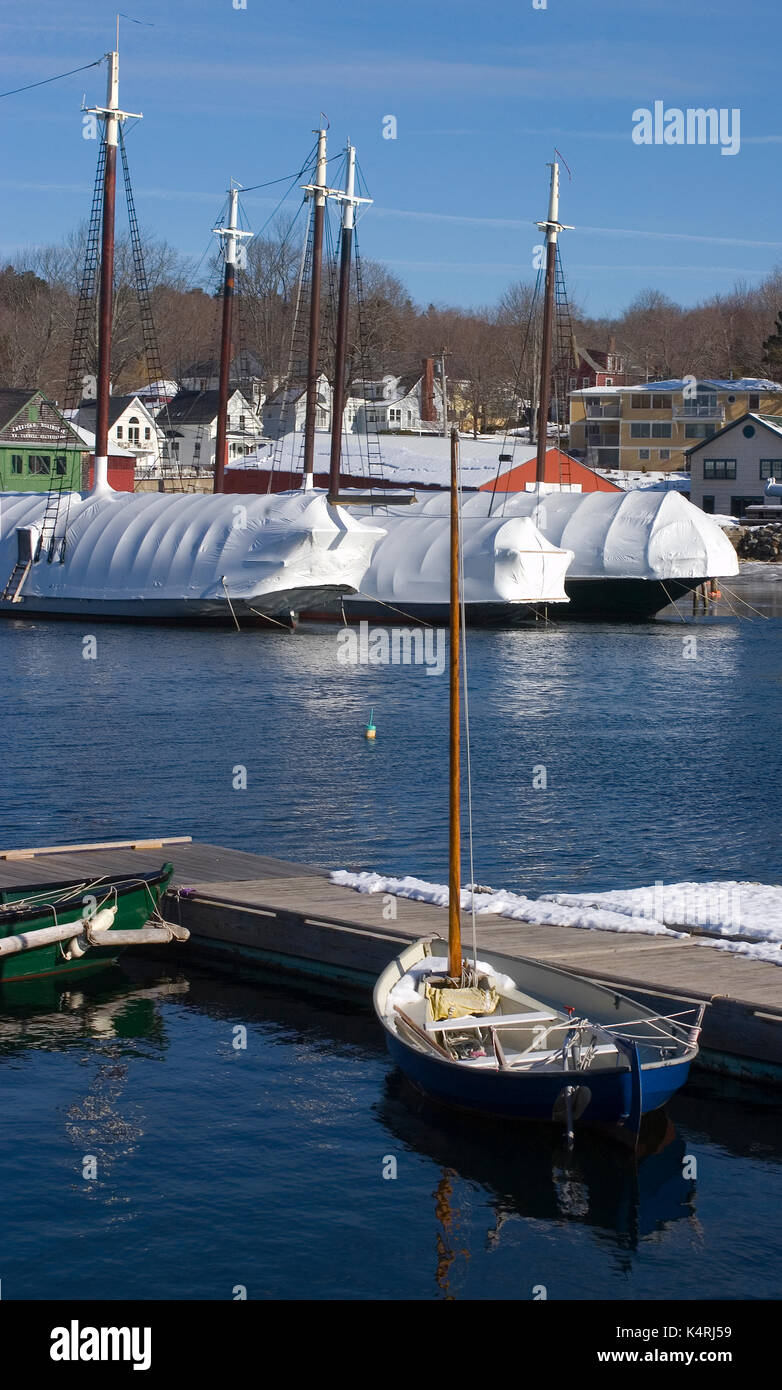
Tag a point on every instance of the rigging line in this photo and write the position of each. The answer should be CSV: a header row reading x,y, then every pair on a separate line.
x,y
673,603
286,178
47,80
733,594
517,387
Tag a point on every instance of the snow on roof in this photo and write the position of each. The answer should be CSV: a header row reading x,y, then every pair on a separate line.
x,y
742,383
407,459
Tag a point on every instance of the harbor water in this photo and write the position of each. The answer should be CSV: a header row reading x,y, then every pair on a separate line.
x,y
175,1133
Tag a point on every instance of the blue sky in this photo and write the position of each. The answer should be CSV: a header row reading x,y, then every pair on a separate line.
x,y
481,95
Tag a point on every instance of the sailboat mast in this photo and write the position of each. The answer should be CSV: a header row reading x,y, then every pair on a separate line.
x,y
346,255
552,227
454,820
100,481
112,116
318,192
229,239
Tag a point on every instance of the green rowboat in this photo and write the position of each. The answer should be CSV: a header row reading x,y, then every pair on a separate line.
x,y
70,927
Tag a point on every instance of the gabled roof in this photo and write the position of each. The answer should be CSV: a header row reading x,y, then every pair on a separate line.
x,y
117,406
194,408
11,402
769,422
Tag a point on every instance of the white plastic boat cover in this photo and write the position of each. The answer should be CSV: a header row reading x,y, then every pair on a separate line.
x,y
133,548
639,534
506,559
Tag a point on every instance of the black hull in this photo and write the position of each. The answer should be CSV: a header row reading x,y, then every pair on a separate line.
x,y
620,600
591,601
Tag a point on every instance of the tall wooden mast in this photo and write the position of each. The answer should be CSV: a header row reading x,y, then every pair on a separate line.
x,y
349,203
111,115
454,819
552,227
317,191
231,238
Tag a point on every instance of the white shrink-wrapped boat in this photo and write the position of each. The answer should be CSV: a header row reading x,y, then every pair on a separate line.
x,y
203,558
510,569
631,553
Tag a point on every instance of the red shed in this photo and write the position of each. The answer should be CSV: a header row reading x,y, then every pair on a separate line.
x,y
561,471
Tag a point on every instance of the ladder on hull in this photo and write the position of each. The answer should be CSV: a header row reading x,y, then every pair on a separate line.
x,y
12,593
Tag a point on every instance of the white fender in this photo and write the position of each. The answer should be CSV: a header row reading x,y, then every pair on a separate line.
x,y
79,945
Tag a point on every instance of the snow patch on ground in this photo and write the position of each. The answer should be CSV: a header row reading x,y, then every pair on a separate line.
x,y
743,917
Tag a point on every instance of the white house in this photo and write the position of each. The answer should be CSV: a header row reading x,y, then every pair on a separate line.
x,y
729,471
190,424
412,404
284,410
132,428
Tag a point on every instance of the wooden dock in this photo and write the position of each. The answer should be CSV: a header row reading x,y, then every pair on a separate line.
x,y
246,910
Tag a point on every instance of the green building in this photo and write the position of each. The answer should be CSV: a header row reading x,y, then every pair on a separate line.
x,y
39,448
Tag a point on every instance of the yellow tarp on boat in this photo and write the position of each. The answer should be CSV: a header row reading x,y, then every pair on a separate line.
x,y
459,1003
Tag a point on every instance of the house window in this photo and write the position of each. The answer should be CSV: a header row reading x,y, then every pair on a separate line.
x,y
640,429
134,433
665,454
661,402
698,431
16,463
241,422
754,401
771,468
708,505
641,402
661,429
119,431
584,382
643,454
395,416
40,464
197,450
719,468
60,465
609,381
572,383
147,432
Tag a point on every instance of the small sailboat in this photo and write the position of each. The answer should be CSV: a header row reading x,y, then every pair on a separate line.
x,y
515,1037
76,925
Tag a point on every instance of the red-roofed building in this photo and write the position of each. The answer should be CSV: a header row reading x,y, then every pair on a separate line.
x,y
561,471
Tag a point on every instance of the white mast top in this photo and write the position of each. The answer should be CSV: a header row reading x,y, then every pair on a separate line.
x,y
111,112
231,235
552,226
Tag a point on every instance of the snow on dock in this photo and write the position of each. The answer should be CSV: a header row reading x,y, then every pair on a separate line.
x,y
248,911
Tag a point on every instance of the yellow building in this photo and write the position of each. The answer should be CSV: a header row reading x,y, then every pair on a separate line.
x,y
647,428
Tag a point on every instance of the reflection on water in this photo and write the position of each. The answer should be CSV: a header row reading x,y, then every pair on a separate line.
x,y
270,1157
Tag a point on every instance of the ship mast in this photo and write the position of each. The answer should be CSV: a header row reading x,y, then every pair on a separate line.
x,y
111,115
317,191
552,227
454,818
349,203
230,237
